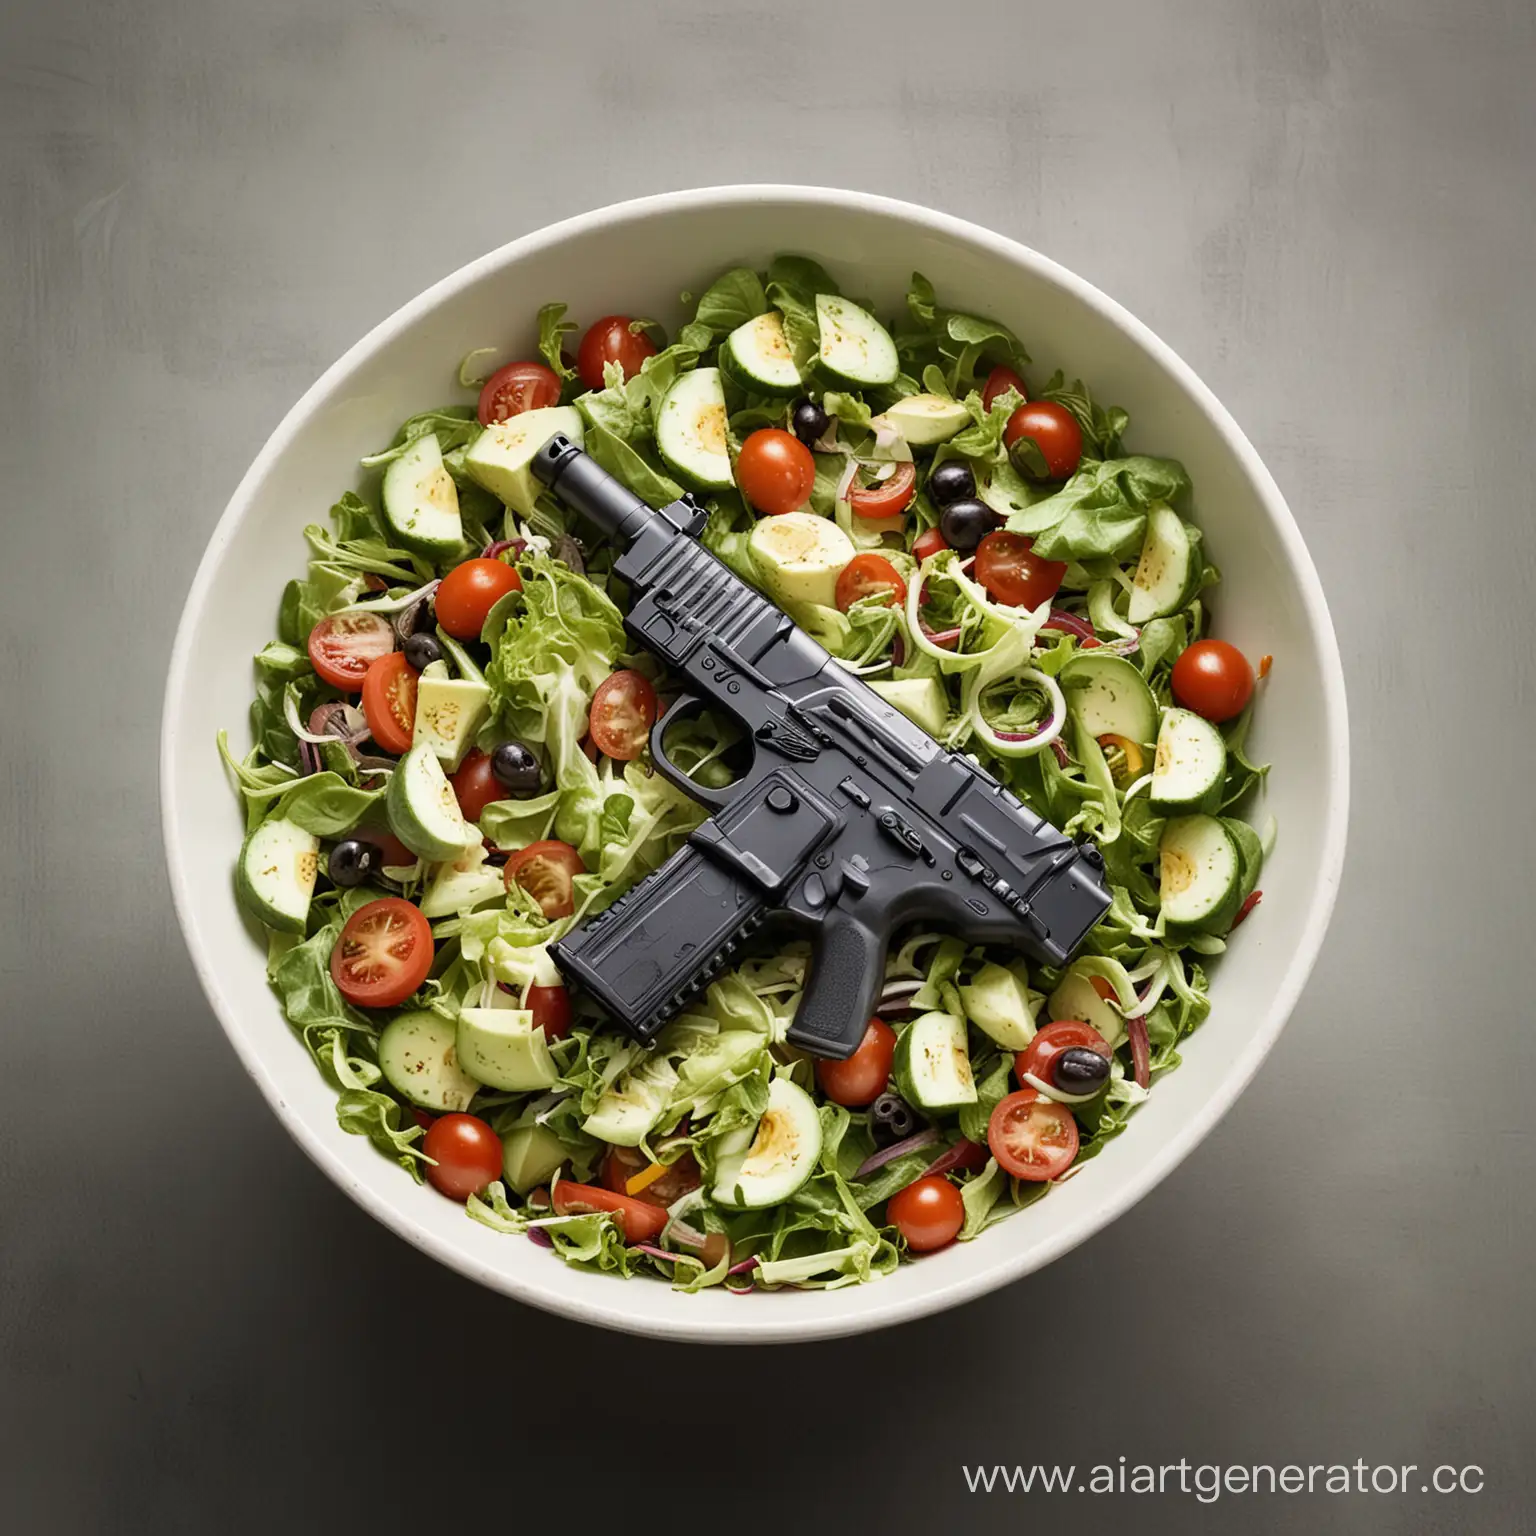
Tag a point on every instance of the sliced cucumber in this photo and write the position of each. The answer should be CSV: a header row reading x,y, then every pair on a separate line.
x,y
855,348
690,430
767,1164
421,502
529,1155
275,876
1200,874
799,557
499,458
1076,998
932,1067
423,809
757,356
1108,696
1168,573
633,1104
462,884
996,1001
449,710
501,1048
921,699
418,1058
925,421
1189,767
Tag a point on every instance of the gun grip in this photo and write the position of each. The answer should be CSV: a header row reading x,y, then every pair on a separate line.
x,y
847,973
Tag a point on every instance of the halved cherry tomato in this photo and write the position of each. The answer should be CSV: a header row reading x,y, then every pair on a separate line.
x,y
469,591
1057,438
887,497
551,1009
641,1222
859,1080
389,702
1213,679
1007,567
623,712
475,786
623,1163
466,1152
610,340
1032,1138
383,953
344,646
1040,1055
775,471
517,388
869,575
999,382
545,870
927,543
928,1213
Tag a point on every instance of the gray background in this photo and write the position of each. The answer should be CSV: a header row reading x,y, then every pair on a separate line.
x,y
1327,208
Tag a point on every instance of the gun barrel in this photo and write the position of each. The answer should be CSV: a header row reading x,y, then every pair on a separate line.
x,y
578,480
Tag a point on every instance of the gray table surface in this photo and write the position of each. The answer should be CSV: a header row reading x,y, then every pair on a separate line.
x,y
1327,208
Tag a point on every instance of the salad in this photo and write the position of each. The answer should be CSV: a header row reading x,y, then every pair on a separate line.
x,y
451,767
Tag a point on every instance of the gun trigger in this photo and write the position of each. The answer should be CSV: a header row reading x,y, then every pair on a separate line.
x,y
855,875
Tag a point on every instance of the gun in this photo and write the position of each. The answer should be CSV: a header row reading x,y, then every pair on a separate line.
x,y
850,821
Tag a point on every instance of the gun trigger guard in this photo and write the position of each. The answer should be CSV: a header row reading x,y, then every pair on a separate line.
x,y
684,705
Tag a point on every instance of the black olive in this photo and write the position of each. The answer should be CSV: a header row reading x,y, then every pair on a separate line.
x,y
964,524
892,1119
952,481
1080,1071
517,769
352,861
809,421
422,650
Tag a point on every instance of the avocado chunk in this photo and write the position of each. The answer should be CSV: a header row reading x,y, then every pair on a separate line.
x,y
500,457
799,557
529,1155
501,1048
996,1001
927,420
449,710
921,699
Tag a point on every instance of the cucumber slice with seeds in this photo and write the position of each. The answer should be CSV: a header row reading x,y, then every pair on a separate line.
x,y
419,1059
423,809
932,1067
767,1163
855,348
1189,767
690,430
1168,573
275,876
757,356
421,502
1107,696
1200,875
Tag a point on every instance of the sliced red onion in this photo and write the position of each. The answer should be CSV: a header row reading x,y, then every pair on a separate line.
x,y
369,764
896,1149
1045,730
964,1154
684,1233
897,995
338,721
309,759
944,637
663,1253
1061,753
540,1236
406,618
1059,618
743,1267
501,546
1249,903
1141,1050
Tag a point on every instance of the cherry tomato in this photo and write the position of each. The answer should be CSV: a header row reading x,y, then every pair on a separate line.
x,y
888,497
926,544
1040,1055
469,591
610,340
467,1154
1053,429
1032,1138
1104,987
775,471
860,1079
642,1223
395,854
344,646
868,575
517,388
545,870
389,702
1213,679
1007,567
999,382
623,1163
382,954
928,1213
623,712
475,786
551,1009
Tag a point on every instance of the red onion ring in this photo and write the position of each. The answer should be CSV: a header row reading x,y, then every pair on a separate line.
x,y
1141,1050
1059,618
896,1149
540,1236
964,1154
501,546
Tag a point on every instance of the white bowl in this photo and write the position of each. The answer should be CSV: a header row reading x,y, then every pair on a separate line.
x,y
637,258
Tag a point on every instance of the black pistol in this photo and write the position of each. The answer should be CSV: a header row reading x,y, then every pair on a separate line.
x,y
850,821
